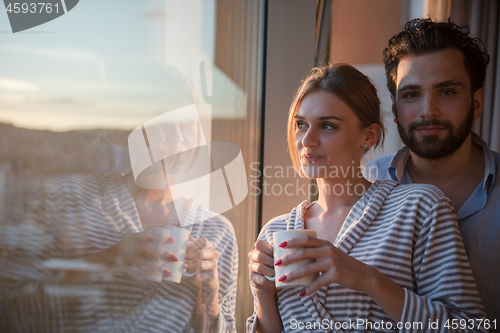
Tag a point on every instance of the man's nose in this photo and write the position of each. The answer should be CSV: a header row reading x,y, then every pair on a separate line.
x,y
430,109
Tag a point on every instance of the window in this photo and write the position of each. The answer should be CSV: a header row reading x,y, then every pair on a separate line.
x,y
72,91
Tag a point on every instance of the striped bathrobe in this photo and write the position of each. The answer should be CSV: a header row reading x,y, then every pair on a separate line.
x,y
71,216
410,234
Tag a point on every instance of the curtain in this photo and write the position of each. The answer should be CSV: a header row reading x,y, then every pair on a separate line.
x,y
482,16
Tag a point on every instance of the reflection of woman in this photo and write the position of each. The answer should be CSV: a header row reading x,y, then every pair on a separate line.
x,y
99,218
84,270
386,253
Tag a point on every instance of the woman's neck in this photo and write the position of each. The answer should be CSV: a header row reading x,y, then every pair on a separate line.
x,y
143,195
335,193
154,206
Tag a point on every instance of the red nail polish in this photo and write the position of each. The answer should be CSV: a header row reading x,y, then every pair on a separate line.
x,y
173,257
277,263
282,279
283,244
167,274
170,240
302,293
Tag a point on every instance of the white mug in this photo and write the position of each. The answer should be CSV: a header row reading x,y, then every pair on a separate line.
x,y
278,238
160,245
160,236
178,248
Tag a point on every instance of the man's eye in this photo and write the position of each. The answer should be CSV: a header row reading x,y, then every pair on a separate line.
x,y
448,92
410,95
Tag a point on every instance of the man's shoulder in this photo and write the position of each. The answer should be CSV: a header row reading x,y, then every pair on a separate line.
x,y
381,161
378,169
496,157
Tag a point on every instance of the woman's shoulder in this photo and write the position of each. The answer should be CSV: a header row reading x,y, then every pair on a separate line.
x,y
60,190
414,187
282,222
419,196
69,181
277,223
219,222
425,190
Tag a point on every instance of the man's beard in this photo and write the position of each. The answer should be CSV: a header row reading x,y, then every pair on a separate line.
x,y
430,146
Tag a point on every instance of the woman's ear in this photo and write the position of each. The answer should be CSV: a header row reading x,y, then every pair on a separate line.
x,y
372,134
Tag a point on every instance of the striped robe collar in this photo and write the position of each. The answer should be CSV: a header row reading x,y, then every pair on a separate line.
x,y
122,213
359,218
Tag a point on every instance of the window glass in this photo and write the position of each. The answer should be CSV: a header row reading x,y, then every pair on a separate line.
x,y
122,123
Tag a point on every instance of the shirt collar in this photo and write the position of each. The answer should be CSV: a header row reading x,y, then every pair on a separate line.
x,y
398,164
489,163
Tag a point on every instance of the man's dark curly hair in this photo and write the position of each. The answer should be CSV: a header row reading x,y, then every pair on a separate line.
x,y
423,36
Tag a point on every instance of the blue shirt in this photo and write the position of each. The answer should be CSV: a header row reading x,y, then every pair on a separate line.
x,y
478,219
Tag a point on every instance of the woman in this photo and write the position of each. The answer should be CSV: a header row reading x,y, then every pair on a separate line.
x,y
386,253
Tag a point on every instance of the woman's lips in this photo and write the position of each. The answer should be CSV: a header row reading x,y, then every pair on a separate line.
x,y
430,130
311,157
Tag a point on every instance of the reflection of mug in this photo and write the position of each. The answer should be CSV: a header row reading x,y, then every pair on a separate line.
x,y
278,238
178,248
160,236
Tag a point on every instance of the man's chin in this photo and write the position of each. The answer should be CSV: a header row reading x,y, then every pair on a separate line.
x,y
431,149
428,147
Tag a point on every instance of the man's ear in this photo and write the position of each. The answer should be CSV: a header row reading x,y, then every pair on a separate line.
x,y
395,115
478,100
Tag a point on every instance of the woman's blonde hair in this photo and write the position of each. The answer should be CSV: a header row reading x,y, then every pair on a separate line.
x,y
347,83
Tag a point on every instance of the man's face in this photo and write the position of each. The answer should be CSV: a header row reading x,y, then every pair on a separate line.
x,y
433,106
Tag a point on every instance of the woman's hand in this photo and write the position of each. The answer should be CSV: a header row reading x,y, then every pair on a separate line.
x,y
129,255
334,265
201,263
261,264
338,267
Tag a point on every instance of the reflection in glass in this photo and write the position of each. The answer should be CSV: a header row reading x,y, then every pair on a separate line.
x,y
97,252
71,93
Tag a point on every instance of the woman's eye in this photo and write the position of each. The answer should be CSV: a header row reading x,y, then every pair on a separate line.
x,y
329,126
300,125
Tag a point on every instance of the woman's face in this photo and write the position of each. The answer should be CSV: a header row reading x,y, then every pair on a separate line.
x,y
328,137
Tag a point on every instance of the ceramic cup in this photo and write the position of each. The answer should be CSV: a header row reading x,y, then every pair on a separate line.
x,y
178,247
160,237
278,238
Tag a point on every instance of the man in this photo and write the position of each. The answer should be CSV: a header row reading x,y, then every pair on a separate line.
x,y
435,74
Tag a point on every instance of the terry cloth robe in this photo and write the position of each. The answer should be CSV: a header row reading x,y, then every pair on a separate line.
x,y
410,234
